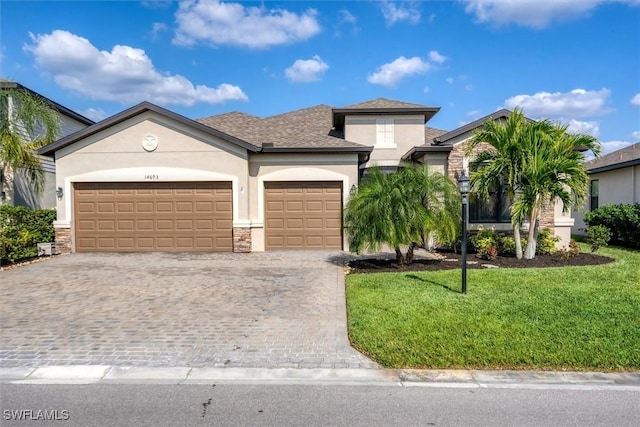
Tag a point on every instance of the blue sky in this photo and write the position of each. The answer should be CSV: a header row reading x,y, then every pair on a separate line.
x,y
575,61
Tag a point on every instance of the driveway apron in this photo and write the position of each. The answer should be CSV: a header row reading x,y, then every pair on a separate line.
x,y
272,309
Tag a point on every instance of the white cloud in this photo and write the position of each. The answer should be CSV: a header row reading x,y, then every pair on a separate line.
x,y
468,87
610,146
572,105
126,74
306,70
532,13
395,12
232,24
449,80
157,28
390,74
589,127
636,100
95,114
426,89
636,135
473,113
436,57
346,17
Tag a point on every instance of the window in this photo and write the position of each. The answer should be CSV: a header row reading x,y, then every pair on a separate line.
x,y
384,133
594,191
497,208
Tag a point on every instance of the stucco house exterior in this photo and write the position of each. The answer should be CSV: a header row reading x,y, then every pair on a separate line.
x,y
148,179
15,189
615,179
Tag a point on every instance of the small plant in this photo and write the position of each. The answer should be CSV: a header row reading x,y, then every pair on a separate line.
x,y
546,243
490,252
508,245
574,248
599,236
485,244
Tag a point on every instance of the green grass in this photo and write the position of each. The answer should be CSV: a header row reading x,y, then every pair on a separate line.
x,y
569,318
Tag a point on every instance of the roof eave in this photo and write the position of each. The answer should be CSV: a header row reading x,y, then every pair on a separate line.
x,y
503,113
340,113
614,166
420,151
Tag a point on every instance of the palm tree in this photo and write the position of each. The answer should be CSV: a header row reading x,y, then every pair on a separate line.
x,y
502,164
399,209
552,169
27,122
537,162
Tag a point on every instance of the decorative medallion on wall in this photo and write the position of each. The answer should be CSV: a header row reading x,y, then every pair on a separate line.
x,y
150,143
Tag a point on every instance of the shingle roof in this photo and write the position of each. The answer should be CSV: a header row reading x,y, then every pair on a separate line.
x,y
442,139
306,128
431,133
624,157
384,103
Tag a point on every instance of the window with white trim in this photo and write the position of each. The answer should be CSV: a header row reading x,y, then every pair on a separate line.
x,y
384,133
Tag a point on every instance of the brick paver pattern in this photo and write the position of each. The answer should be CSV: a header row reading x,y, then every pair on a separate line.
x,y
280,309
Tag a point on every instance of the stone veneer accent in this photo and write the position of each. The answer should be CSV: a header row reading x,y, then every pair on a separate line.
x,y
241,239
63,241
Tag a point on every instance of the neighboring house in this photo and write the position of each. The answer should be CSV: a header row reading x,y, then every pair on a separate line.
x,y
615,179
148,179
15,188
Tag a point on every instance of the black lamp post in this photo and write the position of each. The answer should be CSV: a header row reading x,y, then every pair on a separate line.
x,y
463,186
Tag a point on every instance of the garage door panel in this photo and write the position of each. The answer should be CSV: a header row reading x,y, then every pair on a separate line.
x,y
153,216
303,215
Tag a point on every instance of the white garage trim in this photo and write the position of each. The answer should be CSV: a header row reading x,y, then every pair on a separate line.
x,y
151,174
298,174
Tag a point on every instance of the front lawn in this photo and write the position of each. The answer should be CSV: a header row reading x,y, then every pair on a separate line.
x,y
565,318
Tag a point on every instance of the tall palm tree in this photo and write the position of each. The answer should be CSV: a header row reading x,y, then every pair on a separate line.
x,y
552,169
399,209
502,164
27,122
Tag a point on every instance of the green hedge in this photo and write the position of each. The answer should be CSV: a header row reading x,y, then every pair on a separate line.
x,y
623,220
21,229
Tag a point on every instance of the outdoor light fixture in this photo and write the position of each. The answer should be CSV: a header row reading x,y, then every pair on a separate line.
x,y
353,189
59,193
463,186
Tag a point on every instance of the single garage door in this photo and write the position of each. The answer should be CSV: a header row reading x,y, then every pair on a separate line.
x,y
303,215
159,216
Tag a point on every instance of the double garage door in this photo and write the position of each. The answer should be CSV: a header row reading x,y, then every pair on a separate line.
x,y
197,216
145,216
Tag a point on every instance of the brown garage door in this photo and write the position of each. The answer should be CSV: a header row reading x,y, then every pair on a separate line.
x,y
161,216
303,215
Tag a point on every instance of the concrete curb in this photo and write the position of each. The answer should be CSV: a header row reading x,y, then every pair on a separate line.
x,y
98,374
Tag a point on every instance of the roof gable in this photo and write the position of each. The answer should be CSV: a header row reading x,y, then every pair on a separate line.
x,y
141,108
444,138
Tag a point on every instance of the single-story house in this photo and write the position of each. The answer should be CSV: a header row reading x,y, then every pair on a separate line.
x,y
15,189
615,179
148,179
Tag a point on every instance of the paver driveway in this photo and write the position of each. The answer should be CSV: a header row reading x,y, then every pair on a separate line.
x,y
282,309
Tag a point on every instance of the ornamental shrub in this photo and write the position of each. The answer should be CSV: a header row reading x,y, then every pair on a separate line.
x,y
623,220
485,244
21,229
508,245
546,243
599,236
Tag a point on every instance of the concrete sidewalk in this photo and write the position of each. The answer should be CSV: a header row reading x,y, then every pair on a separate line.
x,y
93,374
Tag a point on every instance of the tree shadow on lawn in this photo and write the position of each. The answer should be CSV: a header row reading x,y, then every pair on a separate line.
x,y
431,282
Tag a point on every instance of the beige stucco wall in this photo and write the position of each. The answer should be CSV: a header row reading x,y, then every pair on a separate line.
x,y
183,154
408,133
616,186
294,167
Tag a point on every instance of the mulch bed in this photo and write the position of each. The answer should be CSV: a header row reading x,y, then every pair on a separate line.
x,y
453,261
